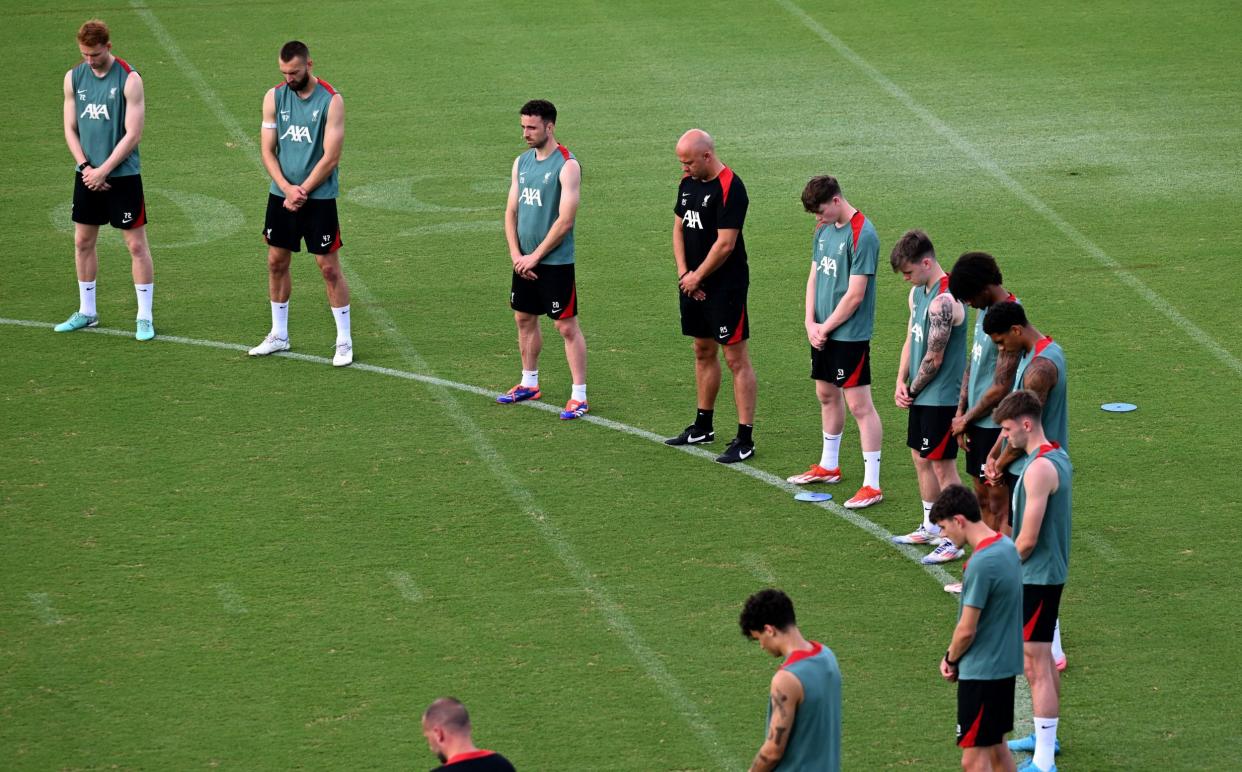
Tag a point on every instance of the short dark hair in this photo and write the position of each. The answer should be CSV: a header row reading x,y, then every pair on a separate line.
x,y
1002,316
913,246
541,108
448,712
766,607
1019,404
955,500
972,274
294,49
819,191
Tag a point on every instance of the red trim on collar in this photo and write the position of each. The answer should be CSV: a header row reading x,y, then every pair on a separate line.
x,y
468,755
856,225
1011,298
944,284
800,655
988,542
1047,447
726,182
564,151
1042,344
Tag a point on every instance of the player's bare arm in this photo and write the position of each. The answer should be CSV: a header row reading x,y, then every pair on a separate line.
x,y
963,637
939,328
135,119
267,148
679,257
785,697
71,123
333,143
1041,376
902,393
726,240
848,304
571,183
812,329
1002,383
511,212
1040,482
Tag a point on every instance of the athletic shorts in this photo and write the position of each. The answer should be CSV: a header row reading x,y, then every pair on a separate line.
x,y
554,292
982,439
315,222
1041,603
843,363
984,712
721,316
123,206
928,431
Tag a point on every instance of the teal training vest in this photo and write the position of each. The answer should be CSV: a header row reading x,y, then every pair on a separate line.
x,y
992,583
982,368
1056,410
539,204
815,740
100,104
946,388
838,254
300,126
1048,563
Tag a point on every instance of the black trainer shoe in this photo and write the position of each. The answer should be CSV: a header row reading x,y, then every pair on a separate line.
x,y
693,435
737,451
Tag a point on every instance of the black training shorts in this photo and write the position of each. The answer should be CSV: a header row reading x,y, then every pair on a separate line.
x,y
315,221
981,441
984,712
554,292
843,363
721,316
123,205
928,431
1041,604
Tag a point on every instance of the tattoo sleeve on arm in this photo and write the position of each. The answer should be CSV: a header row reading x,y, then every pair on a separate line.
x,y
1041,376
940,326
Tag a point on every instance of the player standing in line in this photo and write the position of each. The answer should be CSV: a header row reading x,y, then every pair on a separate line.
x,y
804,702
840,319
929,379
303,133
976,281
985,655
1041,532
446,727
544,192
104,113
1041,370
713,278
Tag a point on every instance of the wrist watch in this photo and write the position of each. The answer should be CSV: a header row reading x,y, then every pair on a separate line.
x,y
82,166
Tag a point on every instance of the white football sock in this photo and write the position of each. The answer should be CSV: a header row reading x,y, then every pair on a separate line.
x,y
530,378
579,392
341,315
829,457
1045,742
871,469
1057,651
86,298
927,523
145,293
280,320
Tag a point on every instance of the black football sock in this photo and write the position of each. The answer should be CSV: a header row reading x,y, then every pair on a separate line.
x,y
744,434
703,420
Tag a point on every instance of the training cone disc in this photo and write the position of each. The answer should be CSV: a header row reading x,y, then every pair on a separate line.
x,y
809,496
1118,407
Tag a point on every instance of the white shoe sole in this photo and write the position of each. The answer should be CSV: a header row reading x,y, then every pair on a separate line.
x,y
261,351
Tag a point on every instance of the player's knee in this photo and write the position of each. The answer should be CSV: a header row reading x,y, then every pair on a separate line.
x,y
331,272
84,244
704,352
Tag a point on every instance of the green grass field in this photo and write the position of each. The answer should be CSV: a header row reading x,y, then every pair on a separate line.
x,y
213,561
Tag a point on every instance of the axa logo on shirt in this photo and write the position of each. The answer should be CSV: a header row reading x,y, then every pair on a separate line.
x,y
297,133
691,219
96,112
975,353
531,197
828,266
916,331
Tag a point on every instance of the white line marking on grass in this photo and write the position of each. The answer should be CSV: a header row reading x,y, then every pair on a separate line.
x,y
231,599
405,585
42,603
1032,201
759,569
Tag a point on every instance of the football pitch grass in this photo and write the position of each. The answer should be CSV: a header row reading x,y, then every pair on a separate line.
x,y
209,560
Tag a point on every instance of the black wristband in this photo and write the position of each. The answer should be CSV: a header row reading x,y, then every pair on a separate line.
x,y
683,274
948,661
82,166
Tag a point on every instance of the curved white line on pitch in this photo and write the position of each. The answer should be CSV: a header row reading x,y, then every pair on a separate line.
x,y
851,517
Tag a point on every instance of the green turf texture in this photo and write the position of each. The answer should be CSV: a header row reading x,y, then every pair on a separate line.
x,y
214,561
